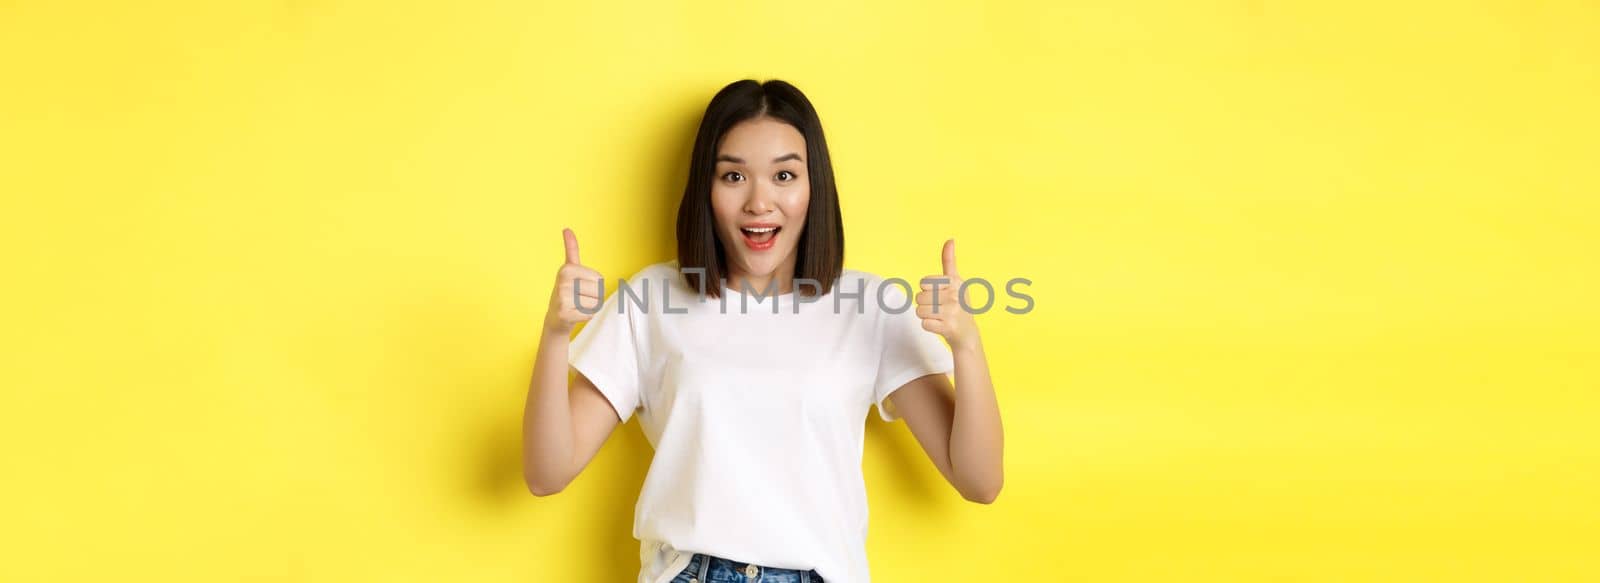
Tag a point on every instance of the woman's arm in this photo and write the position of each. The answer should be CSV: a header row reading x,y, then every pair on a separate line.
x,y
562,427
959,427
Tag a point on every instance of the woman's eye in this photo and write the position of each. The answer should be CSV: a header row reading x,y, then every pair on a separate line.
x,y
785,176
733,177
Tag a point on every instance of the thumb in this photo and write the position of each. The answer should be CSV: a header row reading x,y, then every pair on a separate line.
x,y
572,245
950,258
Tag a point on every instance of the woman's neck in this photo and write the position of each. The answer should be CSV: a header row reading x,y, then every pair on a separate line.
x,y
778,282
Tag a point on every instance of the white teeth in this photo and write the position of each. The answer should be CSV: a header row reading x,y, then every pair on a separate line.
x,y
761,229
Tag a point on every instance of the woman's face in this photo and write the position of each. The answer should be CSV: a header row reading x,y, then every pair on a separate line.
x,y
759,195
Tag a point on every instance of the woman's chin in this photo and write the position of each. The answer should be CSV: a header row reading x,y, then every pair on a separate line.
x,y
760,264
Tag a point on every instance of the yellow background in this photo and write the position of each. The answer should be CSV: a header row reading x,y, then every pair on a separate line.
x,y
1315,282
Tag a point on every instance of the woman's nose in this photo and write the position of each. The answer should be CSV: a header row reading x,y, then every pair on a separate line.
x,y
760,200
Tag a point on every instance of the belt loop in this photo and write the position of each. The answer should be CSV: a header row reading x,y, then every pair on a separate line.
x,y
705,567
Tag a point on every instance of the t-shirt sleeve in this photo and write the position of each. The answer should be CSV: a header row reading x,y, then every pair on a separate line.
x,y
908,352
608,351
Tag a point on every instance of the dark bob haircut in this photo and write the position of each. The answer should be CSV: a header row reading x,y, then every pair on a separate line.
x,y
820,253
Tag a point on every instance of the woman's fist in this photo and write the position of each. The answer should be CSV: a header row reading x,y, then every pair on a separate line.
x,y
940,307
578,294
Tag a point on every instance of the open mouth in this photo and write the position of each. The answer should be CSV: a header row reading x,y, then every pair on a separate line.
x,y
759,238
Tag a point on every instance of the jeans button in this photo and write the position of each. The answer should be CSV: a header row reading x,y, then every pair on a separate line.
x,y
751,571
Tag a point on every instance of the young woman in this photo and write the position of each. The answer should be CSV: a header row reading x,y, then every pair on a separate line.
x,y
752,360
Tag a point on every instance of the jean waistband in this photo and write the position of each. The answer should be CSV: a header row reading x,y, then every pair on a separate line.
x,y
704,566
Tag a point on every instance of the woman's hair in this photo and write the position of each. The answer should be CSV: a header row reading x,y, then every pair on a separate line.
x,y
820,253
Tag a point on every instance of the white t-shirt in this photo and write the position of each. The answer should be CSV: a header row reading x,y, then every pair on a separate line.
x,y
757,419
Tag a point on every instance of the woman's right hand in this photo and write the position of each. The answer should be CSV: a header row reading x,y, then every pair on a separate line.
x,y
564,312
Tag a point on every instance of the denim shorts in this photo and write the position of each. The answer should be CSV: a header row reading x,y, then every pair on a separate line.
x,y
705,568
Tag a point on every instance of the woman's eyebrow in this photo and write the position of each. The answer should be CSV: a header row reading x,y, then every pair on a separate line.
x,y
737,160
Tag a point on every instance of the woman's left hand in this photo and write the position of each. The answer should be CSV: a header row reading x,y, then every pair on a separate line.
x,y
943,311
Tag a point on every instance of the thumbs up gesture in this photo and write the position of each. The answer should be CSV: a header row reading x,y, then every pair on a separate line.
x,y
939,304
578,294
